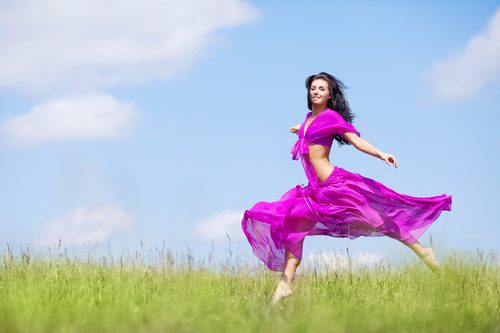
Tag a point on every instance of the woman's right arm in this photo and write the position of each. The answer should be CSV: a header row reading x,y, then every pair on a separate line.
x,y
295,129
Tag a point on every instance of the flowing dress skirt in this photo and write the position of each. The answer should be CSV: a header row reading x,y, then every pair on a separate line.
x,y
344,205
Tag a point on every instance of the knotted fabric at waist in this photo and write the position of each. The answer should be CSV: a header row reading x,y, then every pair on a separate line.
x,y
301,147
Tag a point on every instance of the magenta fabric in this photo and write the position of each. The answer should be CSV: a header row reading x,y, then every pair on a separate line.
x,y
320,131
344,205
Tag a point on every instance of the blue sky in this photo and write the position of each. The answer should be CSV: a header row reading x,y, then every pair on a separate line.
x,y
160,121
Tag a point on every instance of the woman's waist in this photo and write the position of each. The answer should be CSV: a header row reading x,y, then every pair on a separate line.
x,y
326,178
322,168
320,163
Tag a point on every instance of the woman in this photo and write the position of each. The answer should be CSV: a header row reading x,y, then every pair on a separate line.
x,y
336,202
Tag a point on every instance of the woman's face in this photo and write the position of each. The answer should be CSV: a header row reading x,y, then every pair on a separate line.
x,y
319,92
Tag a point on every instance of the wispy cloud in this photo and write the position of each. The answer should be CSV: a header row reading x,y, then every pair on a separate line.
x,y
218,226
465,73
81,117
52,44
84,225
338,261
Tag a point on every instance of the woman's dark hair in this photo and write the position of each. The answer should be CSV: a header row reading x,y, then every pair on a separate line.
x,y
337,101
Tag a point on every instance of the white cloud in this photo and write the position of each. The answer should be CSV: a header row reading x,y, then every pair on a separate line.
x,y
464,74
338,261
86,225
218,226
49,44
81,117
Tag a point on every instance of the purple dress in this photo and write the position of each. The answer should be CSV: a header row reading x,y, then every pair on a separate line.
x,y
343,205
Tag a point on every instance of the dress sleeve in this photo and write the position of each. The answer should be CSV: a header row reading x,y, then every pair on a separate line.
x,y
340,126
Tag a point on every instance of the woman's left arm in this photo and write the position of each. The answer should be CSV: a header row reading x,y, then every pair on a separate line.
x,y
368,148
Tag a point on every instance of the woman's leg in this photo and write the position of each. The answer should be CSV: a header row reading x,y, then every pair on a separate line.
x,y
426,254
284,288
292,263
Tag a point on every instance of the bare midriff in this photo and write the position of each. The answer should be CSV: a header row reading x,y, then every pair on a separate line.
x,y
319,158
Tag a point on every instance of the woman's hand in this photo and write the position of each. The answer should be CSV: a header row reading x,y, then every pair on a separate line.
x,y
295,129
388,158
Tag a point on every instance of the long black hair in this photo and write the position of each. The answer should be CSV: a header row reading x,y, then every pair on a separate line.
x,y
337,101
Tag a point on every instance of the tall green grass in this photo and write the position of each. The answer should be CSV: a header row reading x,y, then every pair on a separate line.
x,y
163,292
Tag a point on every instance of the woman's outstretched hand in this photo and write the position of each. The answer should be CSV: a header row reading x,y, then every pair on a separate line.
x,y
389,159
295,129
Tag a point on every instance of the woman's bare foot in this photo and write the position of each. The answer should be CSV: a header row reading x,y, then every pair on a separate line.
x,y
283,290
430,260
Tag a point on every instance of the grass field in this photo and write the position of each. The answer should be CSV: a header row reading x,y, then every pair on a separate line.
x,y
54,293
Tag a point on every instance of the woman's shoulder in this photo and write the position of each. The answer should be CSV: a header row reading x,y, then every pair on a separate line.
x,y
331,114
